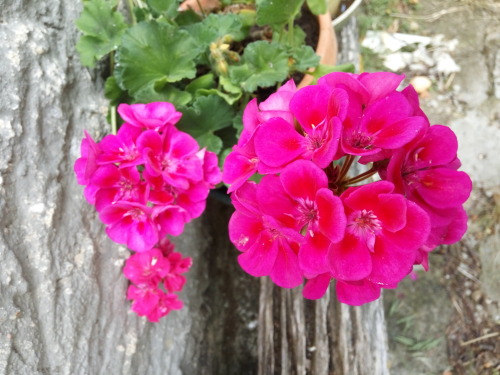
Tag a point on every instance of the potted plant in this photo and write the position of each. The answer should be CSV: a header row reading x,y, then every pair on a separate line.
x,y
180,78
221,85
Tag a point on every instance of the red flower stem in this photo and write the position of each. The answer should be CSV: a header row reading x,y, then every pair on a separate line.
x,y
362,176
345,167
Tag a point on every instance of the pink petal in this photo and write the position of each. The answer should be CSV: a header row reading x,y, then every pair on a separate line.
x,y
391,263
260,258
358,293
245,199
142,236
309,105
416,231
380,84
443,187
350,259
347,82
286,271
399,133
244,230
280,100
237,169
316,287
322,156
365,197
338,104
302,179
392,211
273,200
332,219
313,255
278,143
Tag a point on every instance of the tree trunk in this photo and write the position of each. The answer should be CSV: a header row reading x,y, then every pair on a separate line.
x,y
62,293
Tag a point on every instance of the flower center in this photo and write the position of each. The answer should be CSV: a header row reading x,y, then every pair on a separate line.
x,y
365,225
308,212
137,214
315,141
360,140
168,165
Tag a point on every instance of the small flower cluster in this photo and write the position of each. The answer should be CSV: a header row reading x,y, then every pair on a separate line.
x,y
151,270
146,182
308,219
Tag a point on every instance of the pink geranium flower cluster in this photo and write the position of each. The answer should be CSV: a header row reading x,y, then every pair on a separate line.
x,y
307,218
146,182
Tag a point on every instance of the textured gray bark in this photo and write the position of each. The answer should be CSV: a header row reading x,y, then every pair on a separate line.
x,y
62,294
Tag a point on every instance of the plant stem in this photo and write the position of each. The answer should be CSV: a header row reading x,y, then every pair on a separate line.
x,y
362,176
290,32
130,6
112,113
345,167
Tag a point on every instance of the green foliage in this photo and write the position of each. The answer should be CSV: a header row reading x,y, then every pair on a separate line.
x,y
207,115
152,54
167,8
263,64
277,12
317,6
102,28
208,66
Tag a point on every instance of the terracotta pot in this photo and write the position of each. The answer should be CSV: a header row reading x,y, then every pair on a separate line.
x,y
327,45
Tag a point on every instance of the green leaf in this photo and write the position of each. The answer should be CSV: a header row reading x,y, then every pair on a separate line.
x,y
317,6
112,91
168,93
304,58
167,8
102,28
153,54
263,64
322,70
207,114
216,26
210,141
277,12
231,93
229,98
238,123
205,81
299,36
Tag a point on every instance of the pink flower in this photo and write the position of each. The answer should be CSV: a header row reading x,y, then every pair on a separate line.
x,y
139,226
154,116
300,197
243,161
113,184
131,224
317,110
152,303
171,155
86,165
426,172
268,247
173,279
240,165
211,171
383,234
121,148
147,268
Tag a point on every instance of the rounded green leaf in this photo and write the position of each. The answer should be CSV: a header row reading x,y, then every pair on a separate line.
x,y
153,54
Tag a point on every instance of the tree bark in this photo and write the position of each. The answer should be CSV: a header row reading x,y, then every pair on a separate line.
x,y
62,293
